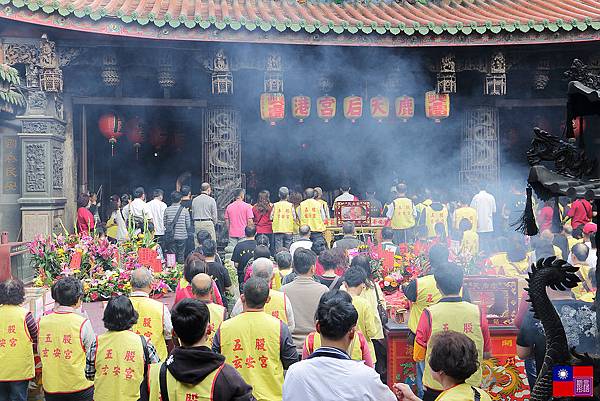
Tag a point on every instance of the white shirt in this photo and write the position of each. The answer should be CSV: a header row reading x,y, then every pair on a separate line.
x,y
139,208
301,243
346,196
485,205
326,379
157,211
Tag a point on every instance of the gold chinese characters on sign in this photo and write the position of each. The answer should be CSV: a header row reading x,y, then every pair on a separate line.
x,y
10,165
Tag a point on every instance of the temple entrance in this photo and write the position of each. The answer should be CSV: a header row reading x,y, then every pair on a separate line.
x,y
157,144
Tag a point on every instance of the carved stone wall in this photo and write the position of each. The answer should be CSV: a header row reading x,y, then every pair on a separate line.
x,y
35,170
57,167
479,147
222,157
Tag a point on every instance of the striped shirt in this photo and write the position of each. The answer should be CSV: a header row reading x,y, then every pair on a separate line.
x,y
183,224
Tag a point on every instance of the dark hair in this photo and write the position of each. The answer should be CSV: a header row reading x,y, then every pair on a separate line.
x,y
158,192
364,263
438,255
335,314
283,259
193,266
125,198
202,235
355,276
318,246
83,200
138,192
264,203
238,192
261,251
516,250
262,239
12,292
449,278
176,197
190,318
113,206
119,314
455,354
209,247
250,230
593,240
581,252
256,292
185,190
67,291
328,260
348,227
578,232
345,187
304,259
387,233
464,225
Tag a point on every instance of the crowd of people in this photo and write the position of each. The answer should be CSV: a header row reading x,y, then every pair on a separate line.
x,y
309,319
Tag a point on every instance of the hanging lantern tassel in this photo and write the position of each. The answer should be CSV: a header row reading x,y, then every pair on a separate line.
x,y
527,224
556,217
112,142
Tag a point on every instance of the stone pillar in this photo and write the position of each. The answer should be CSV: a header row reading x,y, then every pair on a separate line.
x,y
42,140
479,147
222,153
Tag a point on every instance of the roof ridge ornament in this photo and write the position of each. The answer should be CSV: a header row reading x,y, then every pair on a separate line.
x,y
579,71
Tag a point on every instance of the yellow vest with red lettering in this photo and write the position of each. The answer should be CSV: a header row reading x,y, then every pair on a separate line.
x,y
313,342
310,215
178,391
462,392
62,353
427,295
119,366
283,217
462,317
16,347
403,217
150,323
433,217
505,267
276,306
470,243
217,316
466,213
367,323
250,342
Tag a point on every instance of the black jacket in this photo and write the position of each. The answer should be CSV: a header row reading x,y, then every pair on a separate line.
x,y
192,365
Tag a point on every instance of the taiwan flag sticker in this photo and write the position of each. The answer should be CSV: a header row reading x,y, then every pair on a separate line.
x,y
572,381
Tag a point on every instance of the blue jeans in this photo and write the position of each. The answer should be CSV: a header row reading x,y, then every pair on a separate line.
x,y
419,378
14,391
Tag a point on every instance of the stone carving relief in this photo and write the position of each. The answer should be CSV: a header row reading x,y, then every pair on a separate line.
x,y
37,100
59,107
57,167
35,171
67,55
19,53
44,127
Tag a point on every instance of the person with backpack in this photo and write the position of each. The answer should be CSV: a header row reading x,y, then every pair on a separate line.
x,y
117,360
177,226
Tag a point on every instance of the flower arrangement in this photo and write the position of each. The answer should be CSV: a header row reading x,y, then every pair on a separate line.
x,y
103,267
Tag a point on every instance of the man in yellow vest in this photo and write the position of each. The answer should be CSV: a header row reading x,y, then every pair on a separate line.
x,y
283,216
311,213
402,213
258,345
464,211
436,213
423,292
319,198
154,320
117,359
202,288
193,371
64,339
18,341
450,313
278,305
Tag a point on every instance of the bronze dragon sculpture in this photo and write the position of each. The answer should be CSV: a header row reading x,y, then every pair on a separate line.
x,y
559,275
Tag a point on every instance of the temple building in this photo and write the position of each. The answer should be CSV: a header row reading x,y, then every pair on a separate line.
x,y
106,95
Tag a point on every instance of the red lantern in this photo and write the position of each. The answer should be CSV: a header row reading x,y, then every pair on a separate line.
x,y
353,107
110,126
437,105
405,108
301,107
326,107
158,137
380,107
272,107
135,133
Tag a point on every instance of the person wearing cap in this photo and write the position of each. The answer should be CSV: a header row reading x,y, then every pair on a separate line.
x,y
283,216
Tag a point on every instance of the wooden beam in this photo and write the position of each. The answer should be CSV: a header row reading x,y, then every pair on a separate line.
x,y
135,101
518,103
